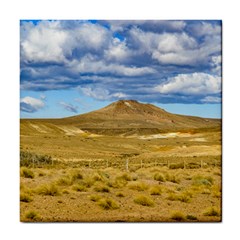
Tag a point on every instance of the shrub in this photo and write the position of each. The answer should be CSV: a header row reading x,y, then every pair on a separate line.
x,y
108,204
79,188
28,159
176,166
144,201
32,215
159,177
138,186
155,190
212,211
172,178
102,188
25,198
26,173
191,217
50,190
95,198
178,216
201,180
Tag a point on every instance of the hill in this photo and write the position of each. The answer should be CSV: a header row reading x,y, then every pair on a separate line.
x,y
123,117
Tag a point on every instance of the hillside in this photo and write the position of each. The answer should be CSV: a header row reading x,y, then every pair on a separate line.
x,y
123,117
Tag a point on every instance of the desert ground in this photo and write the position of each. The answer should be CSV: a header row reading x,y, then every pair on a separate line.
x,y
67,175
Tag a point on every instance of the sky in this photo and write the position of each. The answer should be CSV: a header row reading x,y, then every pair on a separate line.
x,y
69,67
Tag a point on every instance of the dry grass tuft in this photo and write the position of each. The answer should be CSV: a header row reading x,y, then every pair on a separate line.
x,y
155,190
32,215
159,177
138,186
95,197
24,197
178,216
79,188
212,211
144,201
119,194
48,190
102,188
26,173
108,204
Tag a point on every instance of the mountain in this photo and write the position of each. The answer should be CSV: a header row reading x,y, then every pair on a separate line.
x,y
131,117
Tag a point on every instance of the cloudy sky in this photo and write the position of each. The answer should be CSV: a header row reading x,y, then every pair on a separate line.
x,y
71,67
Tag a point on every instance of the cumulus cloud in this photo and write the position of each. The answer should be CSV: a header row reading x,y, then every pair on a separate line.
x,y
69,107
102,94
30,104
211,99
119,59
191,84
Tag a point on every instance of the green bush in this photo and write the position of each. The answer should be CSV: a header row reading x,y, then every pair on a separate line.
x,y
144,201
202,180
28,159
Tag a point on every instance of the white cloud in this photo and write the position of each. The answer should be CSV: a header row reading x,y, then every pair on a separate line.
x,y
89,64
49,41
191,84
69,107
43,42
101,94
211,99
205,28
216,63
30,104
175,48
118,51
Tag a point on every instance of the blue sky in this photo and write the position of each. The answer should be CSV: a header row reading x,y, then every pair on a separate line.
x,y
72,67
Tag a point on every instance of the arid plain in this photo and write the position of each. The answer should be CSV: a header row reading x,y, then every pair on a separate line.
x,y
128,162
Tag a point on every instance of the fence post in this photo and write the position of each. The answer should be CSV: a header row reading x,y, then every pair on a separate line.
x,y
168,163
127,165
